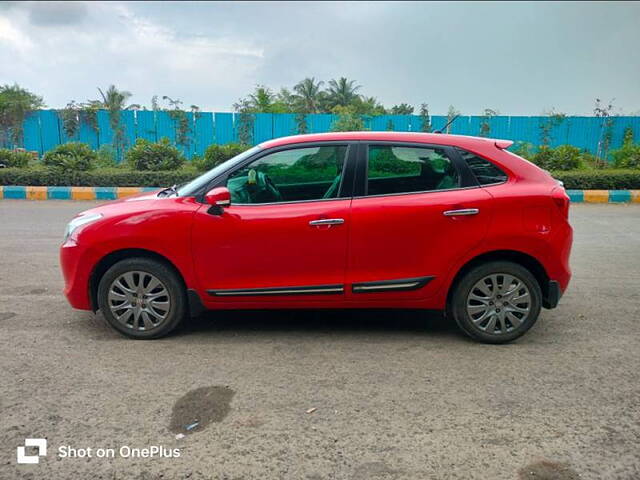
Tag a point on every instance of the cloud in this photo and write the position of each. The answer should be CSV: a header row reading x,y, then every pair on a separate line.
x,y
52,14
516,57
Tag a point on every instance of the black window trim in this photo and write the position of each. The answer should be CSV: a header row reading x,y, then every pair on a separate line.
x,y
466,165
466,178
346,184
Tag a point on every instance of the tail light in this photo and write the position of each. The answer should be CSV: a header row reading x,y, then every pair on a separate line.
x,y
561,199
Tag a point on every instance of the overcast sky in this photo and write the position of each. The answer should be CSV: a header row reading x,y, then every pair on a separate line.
x,y
519,58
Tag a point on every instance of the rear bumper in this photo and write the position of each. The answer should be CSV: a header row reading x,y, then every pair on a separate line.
x,y
551,294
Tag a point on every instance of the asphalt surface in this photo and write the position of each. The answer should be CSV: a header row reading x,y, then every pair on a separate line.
x,y
397,394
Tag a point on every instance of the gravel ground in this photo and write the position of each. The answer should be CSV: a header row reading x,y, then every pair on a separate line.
x,y
396,394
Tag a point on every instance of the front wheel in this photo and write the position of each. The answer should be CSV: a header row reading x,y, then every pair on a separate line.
x,y
496,302
142,298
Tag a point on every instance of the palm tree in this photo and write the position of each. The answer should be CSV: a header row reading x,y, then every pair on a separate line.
x,y
261,99
309,94
114,99
342,92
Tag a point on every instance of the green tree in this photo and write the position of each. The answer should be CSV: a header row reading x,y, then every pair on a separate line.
x,y
367,106
114,101
451,114
402,109
263,100
425,118
342,92
606,131
309,95
485,122
15,103
552,120
348,120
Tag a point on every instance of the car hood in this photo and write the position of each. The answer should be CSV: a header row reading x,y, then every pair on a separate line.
x,y
136,203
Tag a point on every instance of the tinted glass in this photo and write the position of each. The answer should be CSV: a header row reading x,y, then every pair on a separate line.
x,y
394,169
485,172
311,173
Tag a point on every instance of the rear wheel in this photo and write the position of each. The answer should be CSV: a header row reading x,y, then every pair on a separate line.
x,y
496,302
142,298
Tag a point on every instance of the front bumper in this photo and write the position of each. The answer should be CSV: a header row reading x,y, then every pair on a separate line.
x,y
76,263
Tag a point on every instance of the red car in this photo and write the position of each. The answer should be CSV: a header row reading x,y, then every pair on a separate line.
x,y
336,220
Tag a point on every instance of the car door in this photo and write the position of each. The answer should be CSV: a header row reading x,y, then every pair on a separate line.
x,y
415,211
284,235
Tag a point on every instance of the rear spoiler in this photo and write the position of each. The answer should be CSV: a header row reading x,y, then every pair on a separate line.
x,y
503,144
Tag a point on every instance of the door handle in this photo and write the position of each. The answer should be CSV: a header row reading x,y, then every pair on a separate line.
x,y
460,212
326,221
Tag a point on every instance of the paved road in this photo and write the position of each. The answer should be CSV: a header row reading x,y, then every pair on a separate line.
x,y
396,396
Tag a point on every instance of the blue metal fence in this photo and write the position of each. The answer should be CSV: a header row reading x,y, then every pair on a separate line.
x,y
44,129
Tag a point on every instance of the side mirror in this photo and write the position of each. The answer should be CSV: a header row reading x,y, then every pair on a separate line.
x,y
218,197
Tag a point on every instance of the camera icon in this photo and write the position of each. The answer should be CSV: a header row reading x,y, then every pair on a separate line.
x,y
39,443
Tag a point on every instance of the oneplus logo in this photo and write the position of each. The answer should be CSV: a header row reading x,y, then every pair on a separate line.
x,y
39,443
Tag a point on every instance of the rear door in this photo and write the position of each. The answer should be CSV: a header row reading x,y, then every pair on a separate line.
x,y
416,209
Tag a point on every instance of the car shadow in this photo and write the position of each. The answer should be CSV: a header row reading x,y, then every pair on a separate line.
x,y
348,321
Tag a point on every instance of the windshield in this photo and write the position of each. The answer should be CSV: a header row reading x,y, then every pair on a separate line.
x,y
197,183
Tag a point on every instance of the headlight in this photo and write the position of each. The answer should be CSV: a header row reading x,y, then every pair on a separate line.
x,y
78,222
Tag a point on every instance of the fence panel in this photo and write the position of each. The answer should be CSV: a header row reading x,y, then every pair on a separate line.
x,y
128,125
224,128
87,132
105,134
284,124
49,129
320,122
146,125
31,132
43,130
204,132
262,127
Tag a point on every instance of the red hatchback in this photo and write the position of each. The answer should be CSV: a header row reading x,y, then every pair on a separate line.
x,y
337,220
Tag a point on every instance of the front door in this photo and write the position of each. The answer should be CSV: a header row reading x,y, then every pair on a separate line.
x,y
410,222
285,232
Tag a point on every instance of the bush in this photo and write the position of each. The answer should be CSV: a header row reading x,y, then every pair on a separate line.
x,y
562,158
600,179
627,156
11,158
146,155
71,157
113,177
106,157
523,149
120,177
214,155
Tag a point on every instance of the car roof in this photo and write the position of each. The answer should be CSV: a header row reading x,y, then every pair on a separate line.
x,y
418,137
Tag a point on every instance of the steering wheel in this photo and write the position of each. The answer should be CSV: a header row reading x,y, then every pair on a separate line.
x,y
267,190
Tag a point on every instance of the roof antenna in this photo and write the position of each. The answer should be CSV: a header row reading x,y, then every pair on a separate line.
x,y
447,124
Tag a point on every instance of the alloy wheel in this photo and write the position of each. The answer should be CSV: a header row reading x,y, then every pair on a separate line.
x,y
499,303
139,300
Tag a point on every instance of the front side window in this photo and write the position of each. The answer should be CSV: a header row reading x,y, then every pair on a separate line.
x,y
395,169
485,172
311,173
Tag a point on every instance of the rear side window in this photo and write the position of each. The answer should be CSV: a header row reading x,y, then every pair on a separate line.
x,y
485,172
395,169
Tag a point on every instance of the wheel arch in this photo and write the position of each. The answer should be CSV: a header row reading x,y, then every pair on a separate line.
x,y
114,257
525,260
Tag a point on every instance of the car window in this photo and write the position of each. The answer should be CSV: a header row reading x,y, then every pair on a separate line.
x,y
311,173
396,169
485,172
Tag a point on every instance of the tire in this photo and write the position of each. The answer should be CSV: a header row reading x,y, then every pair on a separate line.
x,y
128,284
478,300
